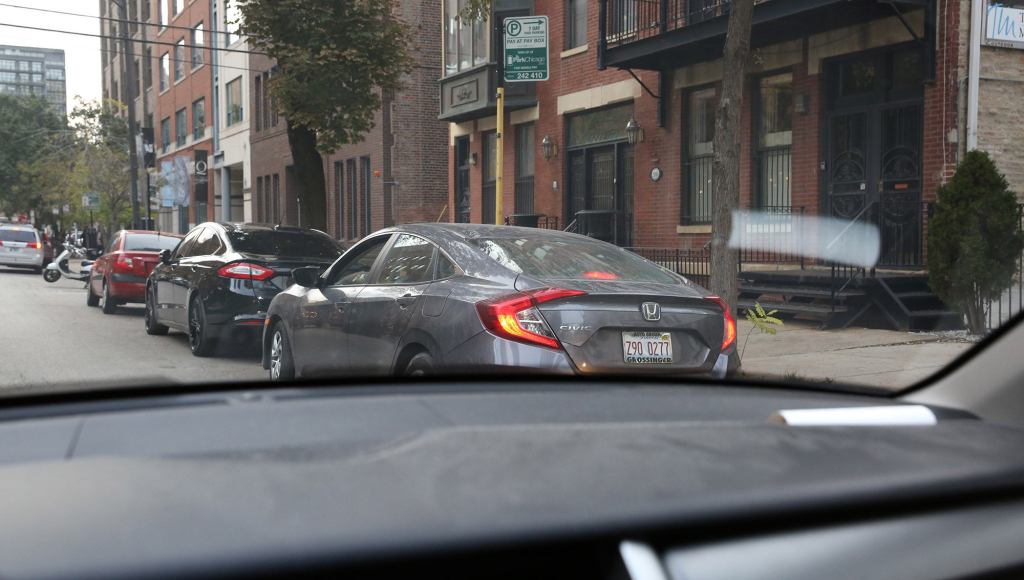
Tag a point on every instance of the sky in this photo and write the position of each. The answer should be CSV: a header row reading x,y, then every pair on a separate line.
x,y
82,56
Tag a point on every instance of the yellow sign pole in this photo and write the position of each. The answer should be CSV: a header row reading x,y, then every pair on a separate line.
x,y
499,182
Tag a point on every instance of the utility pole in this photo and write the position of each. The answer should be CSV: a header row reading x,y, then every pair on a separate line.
x,y
132,82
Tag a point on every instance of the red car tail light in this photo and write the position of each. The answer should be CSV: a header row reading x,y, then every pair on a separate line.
x,y
729,333
123,264
33,245
516,316
245,271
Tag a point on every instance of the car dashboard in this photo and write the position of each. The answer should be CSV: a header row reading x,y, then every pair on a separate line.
x,y
503,478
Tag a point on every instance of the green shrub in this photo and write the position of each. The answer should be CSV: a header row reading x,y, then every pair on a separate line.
x,y
974,238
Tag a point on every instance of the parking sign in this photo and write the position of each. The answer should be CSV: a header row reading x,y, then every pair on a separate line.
x,y
526,49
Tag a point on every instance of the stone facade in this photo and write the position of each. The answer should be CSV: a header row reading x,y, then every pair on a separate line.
x,y
1001,111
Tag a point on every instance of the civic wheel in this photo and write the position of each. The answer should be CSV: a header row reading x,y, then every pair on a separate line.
x,y
109,304
51,276
90,298
282,368
420,365
152,326
199,338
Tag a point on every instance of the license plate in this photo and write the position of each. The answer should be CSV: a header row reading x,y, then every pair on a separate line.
x,y
647,348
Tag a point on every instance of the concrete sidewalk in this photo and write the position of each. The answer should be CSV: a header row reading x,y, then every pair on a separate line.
x,y
858,356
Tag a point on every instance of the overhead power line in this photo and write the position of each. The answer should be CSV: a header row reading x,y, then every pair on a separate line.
x,y
185,60
139,41
107,18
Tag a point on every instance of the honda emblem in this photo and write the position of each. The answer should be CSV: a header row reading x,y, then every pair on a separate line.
x,y
651,311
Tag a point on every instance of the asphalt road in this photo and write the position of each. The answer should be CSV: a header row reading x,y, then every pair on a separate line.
x,y
51,341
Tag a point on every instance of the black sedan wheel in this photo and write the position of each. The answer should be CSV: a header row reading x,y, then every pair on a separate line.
x,y
282,367
152,326
199,338
420,365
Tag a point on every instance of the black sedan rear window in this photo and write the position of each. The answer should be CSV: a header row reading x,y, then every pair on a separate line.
x,y
13,235
284,244
572,260
149,243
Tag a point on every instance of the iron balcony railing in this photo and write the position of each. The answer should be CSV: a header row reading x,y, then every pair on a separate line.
x,y
627,21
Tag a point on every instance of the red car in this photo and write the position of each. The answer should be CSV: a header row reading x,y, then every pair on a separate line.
x,y
119,275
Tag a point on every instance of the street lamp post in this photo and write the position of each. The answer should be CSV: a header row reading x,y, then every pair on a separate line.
x,y
132,83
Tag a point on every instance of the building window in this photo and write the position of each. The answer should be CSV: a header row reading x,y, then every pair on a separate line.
x,y
350,185
575,23
198,120
231,17
138,78
8,77
179,5
258,102
23,65
525,162
37,66
275,202
466,43
339,192
700,136
165,134
165,71
364,177
181,127
147,68
233,101
6,64
146,12
774,142
198,41
259,201
490,177
163,13
179,60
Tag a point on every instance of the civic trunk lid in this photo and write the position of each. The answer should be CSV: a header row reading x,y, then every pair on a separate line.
x,y
634,327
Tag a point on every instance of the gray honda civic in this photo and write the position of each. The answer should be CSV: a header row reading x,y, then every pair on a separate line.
x,y
454,298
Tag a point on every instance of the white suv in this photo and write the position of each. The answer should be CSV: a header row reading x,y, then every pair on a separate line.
x,y
21,247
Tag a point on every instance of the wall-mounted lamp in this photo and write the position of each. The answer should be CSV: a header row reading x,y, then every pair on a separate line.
x,y
548,148
634,132
472,159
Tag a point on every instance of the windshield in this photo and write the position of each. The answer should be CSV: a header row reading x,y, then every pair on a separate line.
x,y
12,235
576,260
149,242
829,199
284,244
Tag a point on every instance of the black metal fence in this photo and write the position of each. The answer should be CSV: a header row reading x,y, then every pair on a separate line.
x,y
771,235
694,264
632,20
1000,311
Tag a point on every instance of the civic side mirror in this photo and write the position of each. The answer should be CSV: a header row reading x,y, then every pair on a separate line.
x,y
165,256
307,277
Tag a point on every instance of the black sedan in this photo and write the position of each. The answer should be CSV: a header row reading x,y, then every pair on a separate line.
x,y
219,281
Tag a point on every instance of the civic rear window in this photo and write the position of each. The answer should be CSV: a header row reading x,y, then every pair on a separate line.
x,y
285,244
572,260
149,243
8,235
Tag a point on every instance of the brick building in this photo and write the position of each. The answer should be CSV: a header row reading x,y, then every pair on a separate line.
x,y
396,175
851,109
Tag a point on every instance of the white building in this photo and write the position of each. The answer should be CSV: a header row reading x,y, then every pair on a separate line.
x,y
231,160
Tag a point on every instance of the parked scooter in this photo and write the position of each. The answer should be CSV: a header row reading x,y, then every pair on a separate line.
x,y
74,263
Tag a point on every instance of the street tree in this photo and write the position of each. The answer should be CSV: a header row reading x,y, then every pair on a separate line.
x,y
726,161
334,61
27,127
974,238
101,161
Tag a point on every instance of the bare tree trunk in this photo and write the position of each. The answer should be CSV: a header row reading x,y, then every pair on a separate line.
x,y
725,195
309,168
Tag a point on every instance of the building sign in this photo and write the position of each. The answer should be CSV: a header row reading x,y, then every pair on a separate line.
x,y
200,178
148,147
1004,24
526,49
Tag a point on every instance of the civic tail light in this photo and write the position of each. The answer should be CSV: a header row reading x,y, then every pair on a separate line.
x,y
245,271
123,264
516,316
729,332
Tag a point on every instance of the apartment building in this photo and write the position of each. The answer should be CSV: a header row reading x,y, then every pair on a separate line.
x,y
395,175
34,71
230,166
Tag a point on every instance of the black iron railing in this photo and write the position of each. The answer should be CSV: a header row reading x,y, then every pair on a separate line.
x,y
533,220
771,235
1011,303
694,264
632,20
